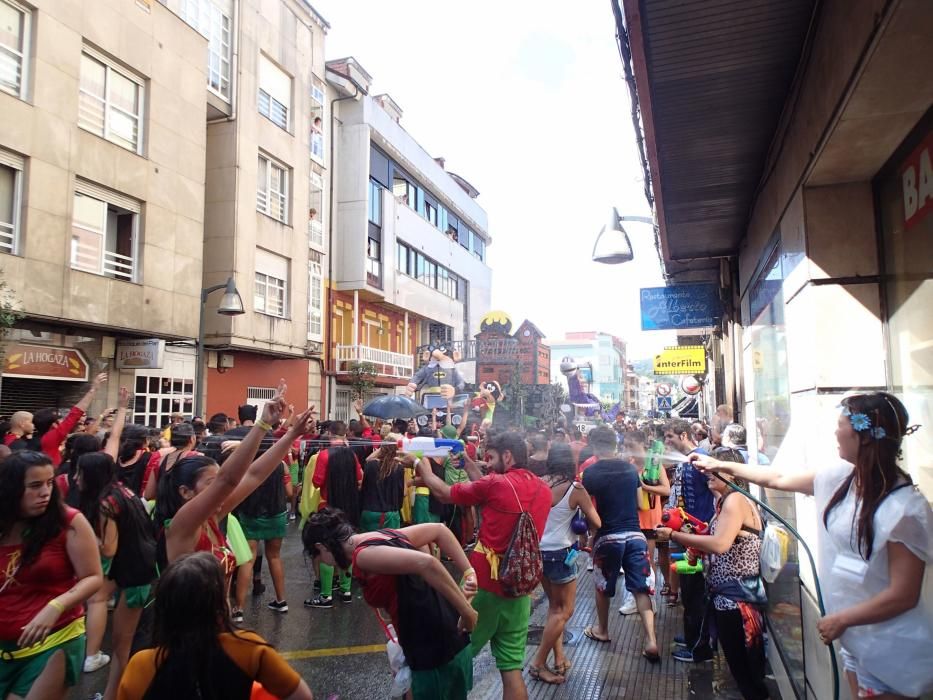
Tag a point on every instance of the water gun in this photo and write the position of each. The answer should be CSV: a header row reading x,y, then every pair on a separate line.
x,y
680,520
680,564
429,446
651,474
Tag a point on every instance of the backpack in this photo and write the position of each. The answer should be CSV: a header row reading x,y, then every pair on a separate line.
x,y
521,568
134,564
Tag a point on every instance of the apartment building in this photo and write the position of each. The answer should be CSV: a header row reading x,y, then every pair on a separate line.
x,y
264,205
409,245
606,355
102,151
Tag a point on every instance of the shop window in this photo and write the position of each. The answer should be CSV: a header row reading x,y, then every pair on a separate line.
x,y
104,232
110,101
14,47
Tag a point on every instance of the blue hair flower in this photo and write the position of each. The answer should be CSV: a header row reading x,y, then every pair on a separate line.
x,y
859,422
878,433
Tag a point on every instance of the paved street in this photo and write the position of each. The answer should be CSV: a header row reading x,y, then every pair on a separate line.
x,y
341,652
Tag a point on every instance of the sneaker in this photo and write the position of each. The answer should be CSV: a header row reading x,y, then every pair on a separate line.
x,y
292,517
687,656
680,641
630,607
317,585
258,588
236,616
278,605
95,662
346,597
321,601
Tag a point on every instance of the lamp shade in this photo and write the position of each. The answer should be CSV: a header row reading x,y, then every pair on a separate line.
x,y
612,245
231,304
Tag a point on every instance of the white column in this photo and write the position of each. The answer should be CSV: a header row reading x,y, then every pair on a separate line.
x,y
356,317
405,348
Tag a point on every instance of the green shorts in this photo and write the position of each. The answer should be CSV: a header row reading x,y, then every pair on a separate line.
x,y
421,513
371,520
452,681
18,675
503,622
137,596
293,469
270,527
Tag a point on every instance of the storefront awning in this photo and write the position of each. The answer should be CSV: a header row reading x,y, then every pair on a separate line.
x,y
712,79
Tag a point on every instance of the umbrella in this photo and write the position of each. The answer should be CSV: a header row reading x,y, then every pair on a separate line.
x,y
392,407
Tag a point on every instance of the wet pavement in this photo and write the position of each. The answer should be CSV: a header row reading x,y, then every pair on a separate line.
x,y
341,652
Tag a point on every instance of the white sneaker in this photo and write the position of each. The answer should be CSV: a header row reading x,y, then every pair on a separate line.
x,y
629,607
96,662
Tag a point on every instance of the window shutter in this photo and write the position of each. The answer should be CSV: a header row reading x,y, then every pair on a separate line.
x,y
271,264
12,160
274,81
104,194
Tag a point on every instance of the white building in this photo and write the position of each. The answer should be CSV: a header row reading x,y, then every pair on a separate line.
x,y
409,242
604,352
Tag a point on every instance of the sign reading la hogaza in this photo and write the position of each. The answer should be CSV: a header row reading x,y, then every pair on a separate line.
x,y
45,362
680,306
140,354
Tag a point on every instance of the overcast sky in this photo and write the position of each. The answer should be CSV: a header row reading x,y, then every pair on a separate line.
x,y
527,101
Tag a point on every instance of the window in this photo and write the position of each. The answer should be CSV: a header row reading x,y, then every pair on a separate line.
x,y
402,258
103,232
479,247
275,92
374,262
271,283
14,47
404,191
430,212
214,24
158,396
315,201
465,236
315,296
272,189
11,193
317,145
110,101
375,203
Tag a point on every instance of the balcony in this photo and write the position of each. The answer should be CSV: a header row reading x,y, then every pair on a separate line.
x,y
489,350
386,363
315,233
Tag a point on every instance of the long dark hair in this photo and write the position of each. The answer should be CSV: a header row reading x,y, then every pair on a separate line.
x,y
134,438
98,478
77,445
331,528
342,488
185,473
41,529
190,613
876,471
560,464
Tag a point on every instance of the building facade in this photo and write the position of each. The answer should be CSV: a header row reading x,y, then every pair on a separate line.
x,y
102,187
815,217
265,204
409,257
606,355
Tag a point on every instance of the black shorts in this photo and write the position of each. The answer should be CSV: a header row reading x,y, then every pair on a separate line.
x,y
649,533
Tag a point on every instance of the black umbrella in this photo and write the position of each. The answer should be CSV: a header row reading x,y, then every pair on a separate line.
x,y
392,407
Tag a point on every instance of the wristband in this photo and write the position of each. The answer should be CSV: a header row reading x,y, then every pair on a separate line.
x,y
55,603
468,572
262,425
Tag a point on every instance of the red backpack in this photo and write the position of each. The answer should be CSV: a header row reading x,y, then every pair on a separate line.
x,y
521,568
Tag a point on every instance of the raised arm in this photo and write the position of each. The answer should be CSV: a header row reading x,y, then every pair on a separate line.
x,y
801,482
85,401
463,418
113,442
193,514
260,470
358,407
438,487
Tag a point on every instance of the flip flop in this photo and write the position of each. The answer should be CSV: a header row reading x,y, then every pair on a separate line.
x,y
654,658
535,673
588,632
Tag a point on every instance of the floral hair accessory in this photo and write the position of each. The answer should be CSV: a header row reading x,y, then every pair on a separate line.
x,y
861,422
878,433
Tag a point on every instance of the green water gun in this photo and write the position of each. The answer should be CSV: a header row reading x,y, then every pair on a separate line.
x,y
651,474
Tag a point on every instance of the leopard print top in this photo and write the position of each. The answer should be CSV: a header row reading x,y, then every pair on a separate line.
x,y
740,560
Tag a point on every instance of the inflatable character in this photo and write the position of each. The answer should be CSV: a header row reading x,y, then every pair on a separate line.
x,y
439,374
484,404
579,398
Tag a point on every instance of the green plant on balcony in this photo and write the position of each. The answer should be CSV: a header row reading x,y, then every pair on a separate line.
x,y
362,377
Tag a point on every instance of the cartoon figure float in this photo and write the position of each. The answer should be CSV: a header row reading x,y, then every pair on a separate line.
x,y
439,374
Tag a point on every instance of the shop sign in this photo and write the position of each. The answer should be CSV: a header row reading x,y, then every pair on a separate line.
x,y
45,362
690,386
140,354
917,183
681,359
680,306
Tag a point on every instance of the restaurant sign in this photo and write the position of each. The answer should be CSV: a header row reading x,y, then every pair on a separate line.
x,y
45,362
140,354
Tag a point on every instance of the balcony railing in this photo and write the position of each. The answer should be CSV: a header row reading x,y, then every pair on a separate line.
x,y
109,264
386,363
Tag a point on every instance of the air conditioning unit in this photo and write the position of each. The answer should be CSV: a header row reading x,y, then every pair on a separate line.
x,y
314,348
225,360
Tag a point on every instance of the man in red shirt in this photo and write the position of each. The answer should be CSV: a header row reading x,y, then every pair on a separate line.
x,y
504,493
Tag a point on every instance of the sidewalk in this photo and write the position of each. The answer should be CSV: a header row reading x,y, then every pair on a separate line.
x,y
617,669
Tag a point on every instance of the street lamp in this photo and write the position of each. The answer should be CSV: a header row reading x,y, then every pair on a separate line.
x,y
612,244
231,304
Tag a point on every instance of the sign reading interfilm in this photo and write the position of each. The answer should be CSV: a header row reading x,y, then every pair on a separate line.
x,y
681,359
140,354
45,362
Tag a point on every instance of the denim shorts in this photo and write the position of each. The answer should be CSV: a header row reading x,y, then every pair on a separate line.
x,y
628,551
555,570
868,685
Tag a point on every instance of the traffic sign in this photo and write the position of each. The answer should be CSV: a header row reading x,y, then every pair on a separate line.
x,y
665,403
663,390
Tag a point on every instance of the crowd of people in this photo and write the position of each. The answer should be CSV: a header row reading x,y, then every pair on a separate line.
x,y
170,529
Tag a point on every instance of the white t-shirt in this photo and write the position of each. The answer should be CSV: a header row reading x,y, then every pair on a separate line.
x,y
896,651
